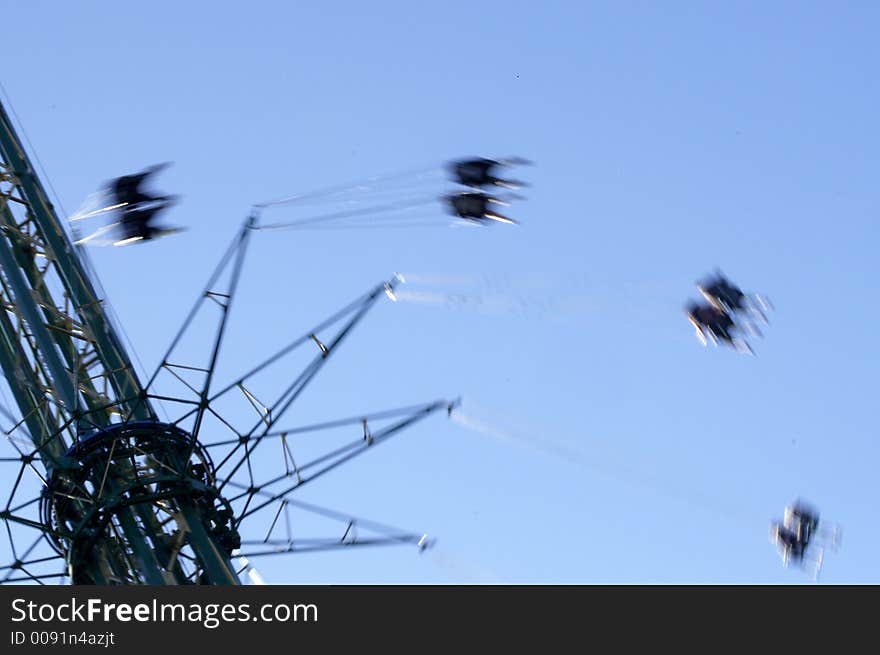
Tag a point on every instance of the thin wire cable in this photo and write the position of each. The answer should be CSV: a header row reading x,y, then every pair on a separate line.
x,y
367,211
372,226
337,189
368,193
33,150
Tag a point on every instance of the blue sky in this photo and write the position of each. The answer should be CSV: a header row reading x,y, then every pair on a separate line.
x,y
668,139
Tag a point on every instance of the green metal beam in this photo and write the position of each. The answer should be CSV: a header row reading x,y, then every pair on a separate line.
x,y
24,302
28,395
23,251
61,251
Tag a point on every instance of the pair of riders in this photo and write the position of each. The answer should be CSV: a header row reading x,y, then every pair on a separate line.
x,y
479,174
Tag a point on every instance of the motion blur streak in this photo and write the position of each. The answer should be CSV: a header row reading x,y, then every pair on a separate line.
x,y
615,470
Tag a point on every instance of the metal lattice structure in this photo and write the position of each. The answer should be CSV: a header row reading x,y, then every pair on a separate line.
x,y
103,492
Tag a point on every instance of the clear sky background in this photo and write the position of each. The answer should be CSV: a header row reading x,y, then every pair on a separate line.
x,y
668,139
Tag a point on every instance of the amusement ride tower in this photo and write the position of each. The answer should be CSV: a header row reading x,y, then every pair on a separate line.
x,y
100,490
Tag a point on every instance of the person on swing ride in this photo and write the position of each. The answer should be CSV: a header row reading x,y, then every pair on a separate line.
x,y
791,546
127,190
801,519
715,323
139,209
725,295
475,206
800,539
480,172
137,225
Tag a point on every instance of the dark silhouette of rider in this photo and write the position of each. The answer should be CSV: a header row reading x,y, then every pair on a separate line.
x,y
480,172
139,208
710,318
476,205
791,542
723,294
127,190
